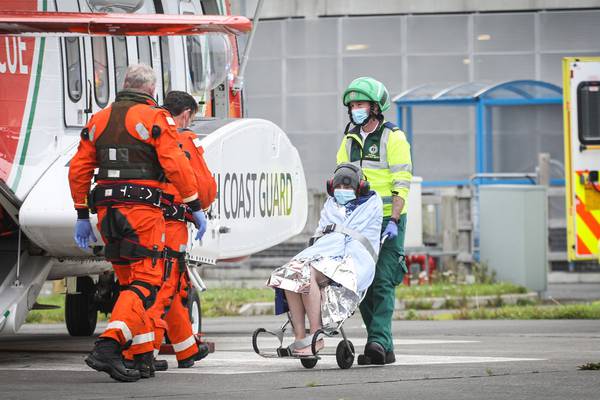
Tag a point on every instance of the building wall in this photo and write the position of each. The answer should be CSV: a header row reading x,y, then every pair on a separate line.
x,y
299,68
320,8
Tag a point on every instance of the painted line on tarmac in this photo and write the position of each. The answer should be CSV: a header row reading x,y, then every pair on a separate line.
x,y
245,362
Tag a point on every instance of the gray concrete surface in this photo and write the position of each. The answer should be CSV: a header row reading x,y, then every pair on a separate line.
x,y
435,360
574,291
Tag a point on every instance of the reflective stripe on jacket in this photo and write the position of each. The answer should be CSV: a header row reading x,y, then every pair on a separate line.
x,y
154,152
385,160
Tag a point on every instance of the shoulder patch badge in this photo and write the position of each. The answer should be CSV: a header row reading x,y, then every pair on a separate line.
x,y
142,131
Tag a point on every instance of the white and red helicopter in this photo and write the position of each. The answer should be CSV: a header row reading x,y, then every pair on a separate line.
x,y
63,60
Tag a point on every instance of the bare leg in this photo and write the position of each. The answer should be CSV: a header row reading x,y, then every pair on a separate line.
x,y
297,313
312,301
312,306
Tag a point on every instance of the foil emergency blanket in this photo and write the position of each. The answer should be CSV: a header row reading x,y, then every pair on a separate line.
x,y
339,299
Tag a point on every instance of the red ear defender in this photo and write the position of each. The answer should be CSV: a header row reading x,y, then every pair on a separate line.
x,y
364,187
329,186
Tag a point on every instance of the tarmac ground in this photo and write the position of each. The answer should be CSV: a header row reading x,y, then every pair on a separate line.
x,y
435,360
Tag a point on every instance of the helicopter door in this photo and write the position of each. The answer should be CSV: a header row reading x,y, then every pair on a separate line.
x,y
74,73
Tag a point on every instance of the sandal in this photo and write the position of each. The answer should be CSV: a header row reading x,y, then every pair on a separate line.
x,y
302,347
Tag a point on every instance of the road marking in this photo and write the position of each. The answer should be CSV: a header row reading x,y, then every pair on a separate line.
x,y
234,356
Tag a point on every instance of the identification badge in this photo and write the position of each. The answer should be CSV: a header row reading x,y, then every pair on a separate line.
x,y
197,142
107,192
114,173
112,154
170,121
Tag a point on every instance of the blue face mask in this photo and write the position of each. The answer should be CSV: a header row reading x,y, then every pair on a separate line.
x,y
343,196
359,115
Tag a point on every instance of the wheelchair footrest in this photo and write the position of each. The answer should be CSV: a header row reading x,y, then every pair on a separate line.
x,y
284,352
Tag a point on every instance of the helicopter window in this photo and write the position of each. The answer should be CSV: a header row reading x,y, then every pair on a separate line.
x,y
588,108
195,63
73,59
210,7
144,51
166,64
121,59
209,59
100,56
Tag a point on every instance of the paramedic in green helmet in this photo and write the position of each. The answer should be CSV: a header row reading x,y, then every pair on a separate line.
x,y
383,153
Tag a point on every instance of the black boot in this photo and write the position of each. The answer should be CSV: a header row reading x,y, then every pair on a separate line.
x,y
106,357
161,365
374,354
145,364
203,351
186,362
390,357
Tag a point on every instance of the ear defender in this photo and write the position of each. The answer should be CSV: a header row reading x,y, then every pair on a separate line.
x,y
364,187
329,186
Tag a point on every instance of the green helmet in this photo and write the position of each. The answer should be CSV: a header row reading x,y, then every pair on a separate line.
x,y
367,89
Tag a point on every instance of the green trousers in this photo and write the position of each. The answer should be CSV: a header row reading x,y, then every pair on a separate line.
x,y
377,308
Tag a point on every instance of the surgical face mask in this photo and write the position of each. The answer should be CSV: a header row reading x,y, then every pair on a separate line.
x,y
343,196
360,115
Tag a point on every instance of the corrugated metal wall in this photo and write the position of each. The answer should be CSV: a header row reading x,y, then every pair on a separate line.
x,y
299,68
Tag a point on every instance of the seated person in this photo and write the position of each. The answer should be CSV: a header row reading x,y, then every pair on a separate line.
x,y
325,281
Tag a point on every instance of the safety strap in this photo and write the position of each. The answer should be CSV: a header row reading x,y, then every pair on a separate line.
x,y
149,300
176,212
169,255
127,249
105,195
351,233
391,126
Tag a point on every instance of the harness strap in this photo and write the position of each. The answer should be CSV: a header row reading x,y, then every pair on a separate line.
x,y
177,212
106,195
359,237
149,300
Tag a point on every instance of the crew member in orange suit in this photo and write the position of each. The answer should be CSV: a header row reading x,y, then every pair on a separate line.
x,y
133,143
170,312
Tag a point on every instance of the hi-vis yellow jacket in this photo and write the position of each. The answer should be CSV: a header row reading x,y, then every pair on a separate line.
x,y
384,159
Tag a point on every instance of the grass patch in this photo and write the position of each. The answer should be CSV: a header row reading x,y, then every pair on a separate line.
x,y
446,289
216,302
451,304
54,316
419,304
220,302
48,316
590,367
569,311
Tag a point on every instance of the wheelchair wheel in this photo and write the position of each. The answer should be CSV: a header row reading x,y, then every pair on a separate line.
x,y
343,356
308,363
254,339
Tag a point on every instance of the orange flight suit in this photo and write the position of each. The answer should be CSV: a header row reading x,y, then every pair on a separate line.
x,y
169,313
134,145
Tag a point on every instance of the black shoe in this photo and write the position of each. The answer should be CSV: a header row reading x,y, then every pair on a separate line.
x,y
203,351
390,357
187,362
106,357
145,364
161,365
375,353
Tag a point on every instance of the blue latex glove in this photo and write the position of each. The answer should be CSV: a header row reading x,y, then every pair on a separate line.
x,y
200,222
84,233
391,230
